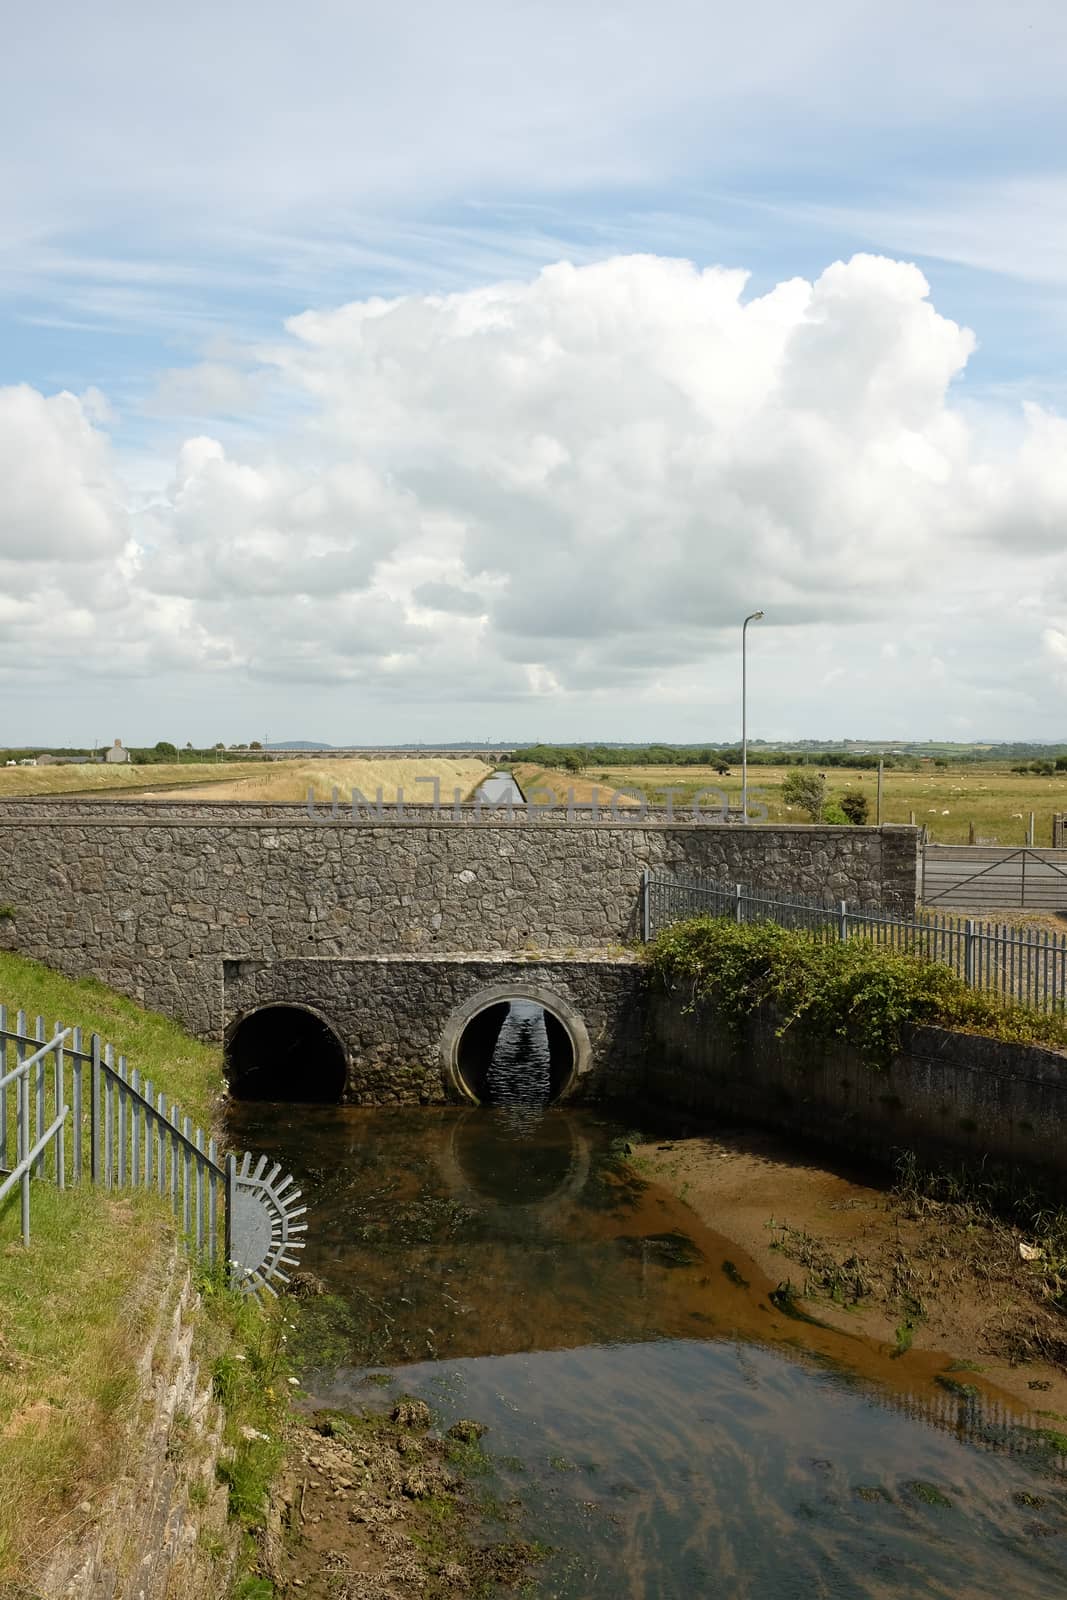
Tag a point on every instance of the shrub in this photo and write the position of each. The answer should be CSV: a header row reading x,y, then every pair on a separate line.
x,y
852,989
805,790
834,814
856,808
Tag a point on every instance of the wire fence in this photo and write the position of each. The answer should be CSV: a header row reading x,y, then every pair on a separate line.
x,y
123,1134
1027,965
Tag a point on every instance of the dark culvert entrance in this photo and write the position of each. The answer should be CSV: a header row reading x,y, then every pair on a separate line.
x,y
285,1053
515,1052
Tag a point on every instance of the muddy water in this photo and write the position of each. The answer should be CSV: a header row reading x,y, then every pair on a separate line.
x,y
670,1429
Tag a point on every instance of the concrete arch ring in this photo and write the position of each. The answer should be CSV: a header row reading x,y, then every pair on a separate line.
x,y
495,994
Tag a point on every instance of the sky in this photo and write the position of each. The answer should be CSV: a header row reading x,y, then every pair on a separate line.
x,y
431,373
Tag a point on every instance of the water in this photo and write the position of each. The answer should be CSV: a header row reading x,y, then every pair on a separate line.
x,y
500,787
670,1432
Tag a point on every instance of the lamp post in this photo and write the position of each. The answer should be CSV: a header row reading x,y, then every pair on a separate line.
x,y
755,617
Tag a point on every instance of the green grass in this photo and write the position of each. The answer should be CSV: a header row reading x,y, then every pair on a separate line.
x,y
76,1306
74,1312
944,800
185,1069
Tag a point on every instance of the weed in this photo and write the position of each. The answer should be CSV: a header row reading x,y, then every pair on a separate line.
x,y
928,1493
903,1334
855,991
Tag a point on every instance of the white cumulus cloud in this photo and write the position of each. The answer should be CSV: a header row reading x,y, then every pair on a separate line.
x,y
574,485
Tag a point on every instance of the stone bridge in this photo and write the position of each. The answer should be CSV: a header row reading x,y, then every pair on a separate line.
x,y
387,941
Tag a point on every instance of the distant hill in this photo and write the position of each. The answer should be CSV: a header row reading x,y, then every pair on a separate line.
x,y
299,744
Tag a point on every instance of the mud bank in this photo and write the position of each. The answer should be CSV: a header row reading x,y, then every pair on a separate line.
x,y
931,1285
383,1507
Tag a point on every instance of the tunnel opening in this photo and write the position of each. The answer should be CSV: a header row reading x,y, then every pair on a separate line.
x,y
285,1053
515,1052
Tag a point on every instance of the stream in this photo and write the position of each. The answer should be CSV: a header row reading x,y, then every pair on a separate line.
x,y
671,1430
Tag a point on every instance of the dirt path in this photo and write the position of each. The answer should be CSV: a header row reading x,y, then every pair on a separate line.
x,y
911,1274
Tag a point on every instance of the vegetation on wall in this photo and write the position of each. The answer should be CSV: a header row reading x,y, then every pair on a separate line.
x,y
851,990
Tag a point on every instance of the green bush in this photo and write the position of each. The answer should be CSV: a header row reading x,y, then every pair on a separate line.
x,y
806,790
834,814
856,809
852,989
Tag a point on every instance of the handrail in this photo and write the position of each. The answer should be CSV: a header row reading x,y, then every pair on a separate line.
x,y
126,1135
31,1061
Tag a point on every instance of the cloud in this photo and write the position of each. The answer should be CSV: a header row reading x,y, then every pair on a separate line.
x,y
60,496
572,486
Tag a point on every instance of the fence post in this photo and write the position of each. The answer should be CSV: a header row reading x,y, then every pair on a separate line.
x,y
842,919
1030,832
646,909
24,1150
94,1109
968,952
738,907
231,1190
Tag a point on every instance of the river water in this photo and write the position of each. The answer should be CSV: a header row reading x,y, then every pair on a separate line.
x,y
670,1430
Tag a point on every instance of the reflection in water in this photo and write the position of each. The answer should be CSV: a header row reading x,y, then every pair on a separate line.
x,y
672,1432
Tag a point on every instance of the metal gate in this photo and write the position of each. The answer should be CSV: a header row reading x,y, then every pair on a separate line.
x,y
990,878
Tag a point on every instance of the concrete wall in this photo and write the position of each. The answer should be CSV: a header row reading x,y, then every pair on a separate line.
x,y
945,1094
155,907
397,1016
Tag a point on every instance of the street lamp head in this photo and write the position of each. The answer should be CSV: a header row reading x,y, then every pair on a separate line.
x,y
755,617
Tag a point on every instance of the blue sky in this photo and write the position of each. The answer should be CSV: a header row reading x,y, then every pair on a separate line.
x,y
181,183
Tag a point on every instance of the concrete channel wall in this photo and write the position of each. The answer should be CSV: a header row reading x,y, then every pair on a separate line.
x,y
945,1094
154,905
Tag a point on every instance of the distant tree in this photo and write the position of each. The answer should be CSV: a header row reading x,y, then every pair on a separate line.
x,y
1061,763
1044,769
255,745
572,761
805,790
721,767
940,761
855,808
219,745
165,750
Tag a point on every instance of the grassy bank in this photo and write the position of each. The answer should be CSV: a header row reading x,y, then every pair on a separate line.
x,y
76,1306
854,990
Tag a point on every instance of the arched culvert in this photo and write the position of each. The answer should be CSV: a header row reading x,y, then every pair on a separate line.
x,y
285,1052
522,1034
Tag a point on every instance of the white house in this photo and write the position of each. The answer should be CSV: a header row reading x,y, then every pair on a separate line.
x,y
117,753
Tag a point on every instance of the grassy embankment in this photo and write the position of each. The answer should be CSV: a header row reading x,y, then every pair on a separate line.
x,y
945,800
254,780
77,1306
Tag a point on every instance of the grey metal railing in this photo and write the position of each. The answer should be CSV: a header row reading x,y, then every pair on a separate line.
x,y
125,1135
30,1158
1028,965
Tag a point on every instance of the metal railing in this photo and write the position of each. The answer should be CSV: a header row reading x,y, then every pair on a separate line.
x,y
30,1159
1027,965
125,1135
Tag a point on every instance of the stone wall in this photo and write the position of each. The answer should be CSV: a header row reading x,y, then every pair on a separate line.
x,y
393,1014
944,1095
150,1537
153,907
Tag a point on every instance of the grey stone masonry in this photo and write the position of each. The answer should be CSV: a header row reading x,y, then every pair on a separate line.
x,y
392,1013
154,905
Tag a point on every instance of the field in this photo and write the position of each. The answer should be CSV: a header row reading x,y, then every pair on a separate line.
x,y
946,801
106,780
253,780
